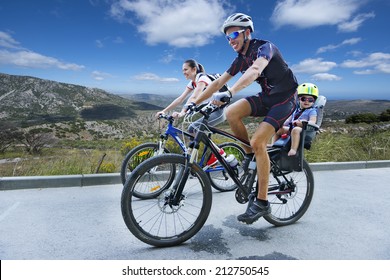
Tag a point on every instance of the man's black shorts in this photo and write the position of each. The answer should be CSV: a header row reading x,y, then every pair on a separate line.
x,y
276,108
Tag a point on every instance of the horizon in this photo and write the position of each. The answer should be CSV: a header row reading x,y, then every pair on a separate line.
x,y
173,95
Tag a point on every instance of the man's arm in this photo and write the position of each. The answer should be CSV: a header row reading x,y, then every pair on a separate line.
x,y
250,75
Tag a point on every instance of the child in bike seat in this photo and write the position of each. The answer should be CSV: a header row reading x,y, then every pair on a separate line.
x,y
307,95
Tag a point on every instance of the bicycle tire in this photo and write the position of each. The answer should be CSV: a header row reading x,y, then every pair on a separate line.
x,y
219,179
133,158
297,202
156,222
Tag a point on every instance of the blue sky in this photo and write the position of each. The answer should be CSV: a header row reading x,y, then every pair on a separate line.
x,y
139,46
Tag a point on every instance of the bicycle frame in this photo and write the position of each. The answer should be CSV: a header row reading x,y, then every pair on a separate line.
x,y
203,137
175,132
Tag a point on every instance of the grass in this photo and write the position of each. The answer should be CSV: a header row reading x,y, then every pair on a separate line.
x,y
350,143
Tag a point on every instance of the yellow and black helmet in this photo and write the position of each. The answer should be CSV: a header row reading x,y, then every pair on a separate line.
x,y
308,89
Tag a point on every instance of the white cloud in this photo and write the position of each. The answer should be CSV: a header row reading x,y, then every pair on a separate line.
x,y
99,44
154,77
351,41
355,23
100,76
312,65
7,41
167,58
325,77
374,63
179,23
31,59
11,53
312,13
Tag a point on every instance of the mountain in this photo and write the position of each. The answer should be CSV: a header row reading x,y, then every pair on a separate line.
x,y
32,100
24,98
340,109
334,110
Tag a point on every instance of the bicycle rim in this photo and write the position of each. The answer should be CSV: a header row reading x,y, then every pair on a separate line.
x,y
156,222
136,156
290,207
219,178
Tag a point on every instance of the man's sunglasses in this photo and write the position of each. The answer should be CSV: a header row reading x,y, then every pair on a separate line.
x,y
234,35
309,99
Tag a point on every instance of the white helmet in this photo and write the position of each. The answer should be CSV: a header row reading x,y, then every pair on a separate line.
x,y
238,19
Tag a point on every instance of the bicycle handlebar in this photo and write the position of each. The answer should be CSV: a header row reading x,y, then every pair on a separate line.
x,y
165,116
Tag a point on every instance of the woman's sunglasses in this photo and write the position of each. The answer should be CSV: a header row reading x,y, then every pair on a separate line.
x,y
234,35
309,99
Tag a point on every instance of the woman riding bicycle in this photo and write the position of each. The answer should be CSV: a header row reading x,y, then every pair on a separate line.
x,y
199,80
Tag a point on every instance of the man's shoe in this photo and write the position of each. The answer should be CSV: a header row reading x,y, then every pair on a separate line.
x,y
213,160
254,211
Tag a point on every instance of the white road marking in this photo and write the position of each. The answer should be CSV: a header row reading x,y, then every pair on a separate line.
x,y
9,210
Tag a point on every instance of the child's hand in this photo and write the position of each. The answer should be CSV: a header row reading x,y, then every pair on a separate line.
x,y
297,123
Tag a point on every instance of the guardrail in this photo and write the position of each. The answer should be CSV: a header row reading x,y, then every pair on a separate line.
x,y
85,180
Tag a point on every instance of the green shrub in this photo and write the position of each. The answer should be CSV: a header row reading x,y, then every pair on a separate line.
x,y
108,167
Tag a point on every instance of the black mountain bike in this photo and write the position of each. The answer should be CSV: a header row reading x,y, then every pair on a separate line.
x,y
216,173
181,208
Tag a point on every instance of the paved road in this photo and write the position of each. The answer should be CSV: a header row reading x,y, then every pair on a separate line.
x,y
348,219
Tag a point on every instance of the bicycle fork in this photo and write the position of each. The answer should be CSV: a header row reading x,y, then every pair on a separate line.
x,y
181,178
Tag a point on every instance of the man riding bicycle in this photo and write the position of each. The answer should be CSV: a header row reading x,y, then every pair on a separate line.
x,y
260,61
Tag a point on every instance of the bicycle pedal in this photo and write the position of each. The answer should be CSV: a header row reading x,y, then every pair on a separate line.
x,y
240,197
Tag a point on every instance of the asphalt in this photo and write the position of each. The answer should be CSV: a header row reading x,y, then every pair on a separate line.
x,y
347,220
85,180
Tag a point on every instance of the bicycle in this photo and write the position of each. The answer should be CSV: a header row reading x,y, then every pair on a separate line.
x,y
179,212
216,173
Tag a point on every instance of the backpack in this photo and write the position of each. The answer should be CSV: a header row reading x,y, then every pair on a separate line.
x,y
213,77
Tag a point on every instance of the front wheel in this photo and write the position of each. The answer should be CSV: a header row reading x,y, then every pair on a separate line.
x,y
290,194
165,220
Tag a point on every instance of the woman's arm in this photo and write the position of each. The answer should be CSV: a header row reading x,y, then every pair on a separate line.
x,y
179,100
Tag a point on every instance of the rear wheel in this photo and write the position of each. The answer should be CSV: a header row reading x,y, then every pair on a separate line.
x,y
290,194
137,155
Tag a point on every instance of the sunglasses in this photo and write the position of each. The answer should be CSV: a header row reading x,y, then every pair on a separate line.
x,y
309,99
234,35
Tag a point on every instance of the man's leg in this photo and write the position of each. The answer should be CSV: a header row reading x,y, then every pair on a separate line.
x,y
259,143
235,113
259,206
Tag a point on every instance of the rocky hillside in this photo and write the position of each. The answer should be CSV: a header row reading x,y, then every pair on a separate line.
x,y
31,99
76,112
334,110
